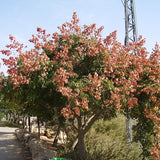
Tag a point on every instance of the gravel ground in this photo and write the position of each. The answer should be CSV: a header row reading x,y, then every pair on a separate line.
x,y
10,147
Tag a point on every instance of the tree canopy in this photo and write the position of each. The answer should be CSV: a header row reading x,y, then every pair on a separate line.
x,y
83,76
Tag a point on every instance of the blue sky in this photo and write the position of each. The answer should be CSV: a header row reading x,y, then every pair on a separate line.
x,y
20,18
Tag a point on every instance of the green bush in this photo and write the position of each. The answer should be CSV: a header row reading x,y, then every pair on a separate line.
x,y
107,140
115,127
101,146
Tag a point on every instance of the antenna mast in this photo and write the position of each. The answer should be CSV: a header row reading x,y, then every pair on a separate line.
x,y
130,36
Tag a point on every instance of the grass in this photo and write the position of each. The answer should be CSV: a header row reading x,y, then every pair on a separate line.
x,y
8,124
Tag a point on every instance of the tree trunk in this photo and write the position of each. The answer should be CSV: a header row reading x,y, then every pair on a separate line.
x,y
82,130
38,128
56,137
23,122
29,123
18,118
81,152
80,147
7,116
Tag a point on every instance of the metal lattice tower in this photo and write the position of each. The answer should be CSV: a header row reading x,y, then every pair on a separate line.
x,y
130,36
130,22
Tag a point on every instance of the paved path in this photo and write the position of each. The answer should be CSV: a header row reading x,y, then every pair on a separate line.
x,y
10,147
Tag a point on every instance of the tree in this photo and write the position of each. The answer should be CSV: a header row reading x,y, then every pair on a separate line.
x,y
154,115
84,76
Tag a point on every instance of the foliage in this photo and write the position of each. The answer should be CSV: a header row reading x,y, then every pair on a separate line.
x,y
1,115
155,117
85,77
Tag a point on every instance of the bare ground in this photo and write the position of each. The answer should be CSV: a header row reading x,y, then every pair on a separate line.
x,y
10,147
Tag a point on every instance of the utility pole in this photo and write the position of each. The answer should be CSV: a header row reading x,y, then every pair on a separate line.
x,y
130,36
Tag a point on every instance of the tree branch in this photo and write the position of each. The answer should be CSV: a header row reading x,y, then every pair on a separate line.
x,y
92,119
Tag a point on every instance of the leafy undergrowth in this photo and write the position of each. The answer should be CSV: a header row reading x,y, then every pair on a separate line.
x,y
106,140
8,124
